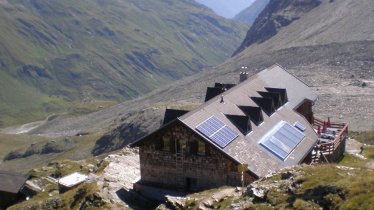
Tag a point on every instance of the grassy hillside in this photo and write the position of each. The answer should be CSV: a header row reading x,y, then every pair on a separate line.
x,y
329,186
57,52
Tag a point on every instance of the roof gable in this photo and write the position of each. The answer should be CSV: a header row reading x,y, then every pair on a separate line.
x,y
11,182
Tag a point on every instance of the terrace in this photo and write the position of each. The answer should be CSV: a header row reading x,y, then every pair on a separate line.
x,y
331,141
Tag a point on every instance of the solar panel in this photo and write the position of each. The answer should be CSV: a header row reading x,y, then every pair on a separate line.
x,y
299,126
282,139
217,131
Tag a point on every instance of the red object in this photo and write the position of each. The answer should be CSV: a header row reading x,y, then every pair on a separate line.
x,y
319,130
324,126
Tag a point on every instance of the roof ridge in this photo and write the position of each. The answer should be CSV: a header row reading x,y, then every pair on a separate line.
x,y
283,68
210,101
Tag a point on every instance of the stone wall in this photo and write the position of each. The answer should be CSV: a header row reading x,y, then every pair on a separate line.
x,y
188,171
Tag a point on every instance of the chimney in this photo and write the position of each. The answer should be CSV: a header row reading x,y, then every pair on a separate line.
x,y
244,74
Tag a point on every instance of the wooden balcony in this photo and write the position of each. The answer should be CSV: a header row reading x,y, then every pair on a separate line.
x,y
331,141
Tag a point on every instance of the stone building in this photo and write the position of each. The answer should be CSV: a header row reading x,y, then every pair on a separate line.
x,y
11,186
264,122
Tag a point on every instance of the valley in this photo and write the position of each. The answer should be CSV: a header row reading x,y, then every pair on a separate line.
x,y
55,56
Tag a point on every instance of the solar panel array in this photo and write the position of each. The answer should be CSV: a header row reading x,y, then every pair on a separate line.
x,y
217,131
283,140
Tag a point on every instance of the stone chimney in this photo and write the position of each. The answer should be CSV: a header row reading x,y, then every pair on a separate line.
x,y
244,74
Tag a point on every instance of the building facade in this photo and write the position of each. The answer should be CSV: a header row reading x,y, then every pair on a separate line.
x,y
264,123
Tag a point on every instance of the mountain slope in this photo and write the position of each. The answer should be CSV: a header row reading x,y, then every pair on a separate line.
x,y
275,16
250,14
292,23
107,50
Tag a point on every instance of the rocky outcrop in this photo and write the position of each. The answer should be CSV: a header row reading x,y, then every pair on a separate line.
x,y
131,127
118,138
52,146
277,14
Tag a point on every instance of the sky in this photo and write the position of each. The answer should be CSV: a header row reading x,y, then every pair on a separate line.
x,y
227,8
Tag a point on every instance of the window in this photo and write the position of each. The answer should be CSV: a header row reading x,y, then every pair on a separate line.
x,y
165,143
200,148
192,147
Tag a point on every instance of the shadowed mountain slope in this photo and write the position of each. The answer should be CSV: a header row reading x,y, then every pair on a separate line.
x,y
290,23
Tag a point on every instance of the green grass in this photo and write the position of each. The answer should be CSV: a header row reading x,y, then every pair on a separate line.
x,y
10,142
324,186
71,199
81,150
352,161
366,137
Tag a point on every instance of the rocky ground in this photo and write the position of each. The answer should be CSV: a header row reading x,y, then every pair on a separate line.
x,y
120,174
325,186
111,178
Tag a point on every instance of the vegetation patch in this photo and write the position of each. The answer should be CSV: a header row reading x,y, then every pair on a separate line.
x,y
366,137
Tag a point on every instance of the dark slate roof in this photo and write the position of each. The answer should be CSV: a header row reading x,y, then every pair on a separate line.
x,y
172,114
245,148
11,182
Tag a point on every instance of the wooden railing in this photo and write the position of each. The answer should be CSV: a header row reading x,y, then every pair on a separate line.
x,y
330,147
317,122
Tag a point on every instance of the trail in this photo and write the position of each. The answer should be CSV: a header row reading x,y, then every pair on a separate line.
x,y
22,129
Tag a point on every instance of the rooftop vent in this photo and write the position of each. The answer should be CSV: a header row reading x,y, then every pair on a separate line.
x,y
254,114
241,122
